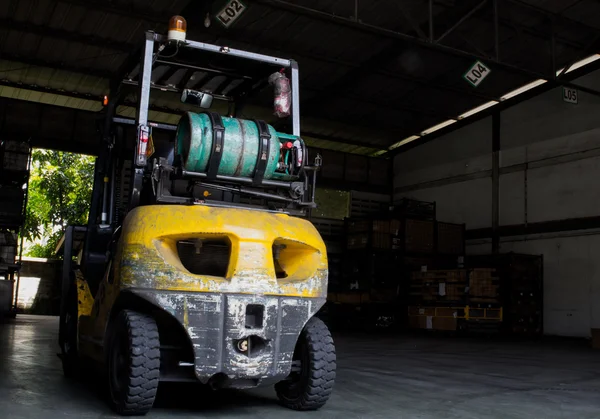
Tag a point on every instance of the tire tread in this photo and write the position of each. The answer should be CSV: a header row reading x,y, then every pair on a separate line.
x,y
321,377
144,353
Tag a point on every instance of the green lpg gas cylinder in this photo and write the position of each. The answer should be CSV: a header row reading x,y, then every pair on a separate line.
x,y
240,147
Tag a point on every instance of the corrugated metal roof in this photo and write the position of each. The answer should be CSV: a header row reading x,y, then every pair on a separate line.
x,y
361,90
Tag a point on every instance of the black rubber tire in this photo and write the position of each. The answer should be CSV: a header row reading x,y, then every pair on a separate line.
x,y
311,387
133,363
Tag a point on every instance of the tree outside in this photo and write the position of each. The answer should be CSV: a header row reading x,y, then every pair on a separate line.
x,y
60,189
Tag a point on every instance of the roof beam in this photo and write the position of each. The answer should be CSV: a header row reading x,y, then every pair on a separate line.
x,y
243,35
391,34
340,140
334,92
121,10
57,65
382,58
50,90
66,35
552,15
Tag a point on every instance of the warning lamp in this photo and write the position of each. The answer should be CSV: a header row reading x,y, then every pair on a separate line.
x,y
177,29
105,101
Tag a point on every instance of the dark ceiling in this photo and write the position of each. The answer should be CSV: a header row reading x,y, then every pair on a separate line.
x,y
372,72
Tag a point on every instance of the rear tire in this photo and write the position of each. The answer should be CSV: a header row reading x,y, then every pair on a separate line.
x,y
133,363
309,388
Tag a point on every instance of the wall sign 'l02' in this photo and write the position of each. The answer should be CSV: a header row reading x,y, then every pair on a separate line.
x,y
231,12
477,73
569,95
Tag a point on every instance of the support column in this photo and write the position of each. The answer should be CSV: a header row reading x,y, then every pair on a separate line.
x,y
495,182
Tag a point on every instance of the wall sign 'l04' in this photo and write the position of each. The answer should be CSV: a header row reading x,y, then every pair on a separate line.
x,y
231,12
477,73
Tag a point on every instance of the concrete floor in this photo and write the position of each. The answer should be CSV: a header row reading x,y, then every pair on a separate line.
x,y
378,377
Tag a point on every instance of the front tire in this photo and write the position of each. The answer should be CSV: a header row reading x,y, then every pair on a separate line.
x,y
309,386
133,363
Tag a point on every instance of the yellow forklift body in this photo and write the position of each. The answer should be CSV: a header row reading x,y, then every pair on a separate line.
x,y
212,308
149,244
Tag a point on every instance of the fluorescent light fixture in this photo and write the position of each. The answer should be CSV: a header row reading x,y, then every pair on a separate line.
x,y
378,153
580,63
405,141
523,89
478,109
438,126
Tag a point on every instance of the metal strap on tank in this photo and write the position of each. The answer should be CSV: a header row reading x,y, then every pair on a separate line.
x,y
263,151
216,153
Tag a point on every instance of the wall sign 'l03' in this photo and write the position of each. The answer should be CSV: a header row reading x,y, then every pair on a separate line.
x,y
231,12
477,73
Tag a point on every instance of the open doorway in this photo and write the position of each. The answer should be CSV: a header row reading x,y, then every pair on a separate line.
x,y
59,191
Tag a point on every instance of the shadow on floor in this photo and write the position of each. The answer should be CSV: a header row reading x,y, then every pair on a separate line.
x,y
182,398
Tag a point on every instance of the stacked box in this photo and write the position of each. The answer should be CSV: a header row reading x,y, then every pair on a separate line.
x,y
395,227
357,241
483,285
431,318
363,234
381,241
384,295
381,226
359,226
352,298
419,236
439,285
413,208
367,240
450,238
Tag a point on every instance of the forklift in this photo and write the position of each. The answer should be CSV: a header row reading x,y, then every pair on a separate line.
x,y
198,262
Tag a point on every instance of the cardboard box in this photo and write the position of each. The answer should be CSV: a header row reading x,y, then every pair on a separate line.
x,y
421,311
352,297
432,323
417,322
446,312
381,226
418,236
450,238
444,323
395,227
358,241
381,240
359,226
446,275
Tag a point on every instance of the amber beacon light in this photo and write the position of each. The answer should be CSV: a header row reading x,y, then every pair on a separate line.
x,y
177,28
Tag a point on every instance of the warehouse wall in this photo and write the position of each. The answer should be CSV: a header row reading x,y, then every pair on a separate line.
x,y
549,171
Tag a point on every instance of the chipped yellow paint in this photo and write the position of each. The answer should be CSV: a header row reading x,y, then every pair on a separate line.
x,y
84,296
149,259
186,314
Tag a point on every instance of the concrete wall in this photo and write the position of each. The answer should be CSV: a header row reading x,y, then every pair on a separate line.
x,y
550,166
39,286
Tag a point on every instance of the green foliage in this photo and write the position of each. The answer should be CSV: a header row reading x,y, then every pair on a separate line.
x,y
60,188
